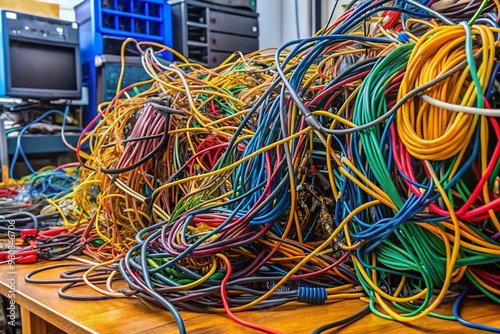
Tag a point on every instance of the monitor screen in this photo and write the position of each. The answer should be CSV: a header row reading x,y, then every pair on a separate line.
x,y
42,66
39,57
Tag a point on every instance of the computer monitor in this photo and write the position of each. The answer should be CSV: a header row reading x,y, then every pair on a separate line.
x,y
39,57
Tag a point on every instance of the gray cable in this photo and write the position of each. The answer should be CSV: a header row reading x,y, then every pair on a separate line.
x,y
297,22
316,125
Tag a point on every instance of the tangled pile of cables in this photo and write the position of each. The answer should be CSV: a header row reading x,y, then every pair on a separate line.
x,y
361,162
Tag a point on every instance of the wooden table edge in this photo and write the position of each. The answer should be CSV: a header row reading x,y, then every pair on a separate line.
x,y
36,307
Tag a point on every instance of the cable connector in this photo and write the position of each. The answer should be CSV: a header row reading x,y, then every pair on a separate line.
x,y
162,106
403,37
21,257
29,236
28,233
313,122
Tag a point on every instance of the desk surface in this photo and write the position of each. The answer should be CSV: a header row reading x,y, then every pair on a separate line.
x,y
129,315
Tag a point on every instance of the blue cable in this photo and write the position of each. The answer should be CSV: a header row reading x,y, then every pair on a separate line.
x,y
466,323
19,148
494,76
51,184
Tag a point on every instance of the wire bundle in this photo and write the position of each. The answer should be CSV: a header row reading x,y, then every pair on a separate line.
x,y
364,156
432,155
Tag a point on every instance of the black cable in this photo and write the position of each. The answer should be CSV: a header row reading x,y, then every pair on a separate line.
x,y
28,277
37,203
62,246
11,220
342,322
71,272
317,15
99,276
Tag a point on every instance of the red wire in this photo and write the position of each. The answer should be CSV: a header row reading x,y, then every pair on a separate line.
x,y
340,84
490,278
225,302
392,18
321,271
70,164
478,214
472,215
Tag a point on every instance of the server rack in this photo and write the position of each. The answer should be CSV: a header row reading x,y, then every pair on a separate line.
x,y
208,33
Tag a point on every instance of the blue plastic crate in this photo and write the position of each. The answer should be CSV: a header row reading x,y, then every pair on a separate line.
x,y
141,19
104,20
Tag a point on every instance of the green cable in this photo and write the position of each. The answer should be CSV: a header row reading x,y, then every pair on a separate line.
x,y
406,243
469,53
477,13
136,90
420,240
431,314
371,98
496,171
463,191
375,311
183,206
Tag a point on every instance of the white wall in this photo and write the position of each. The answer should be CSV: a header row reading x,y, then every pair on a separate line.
x,y
328,6
289,23
270,23
278,24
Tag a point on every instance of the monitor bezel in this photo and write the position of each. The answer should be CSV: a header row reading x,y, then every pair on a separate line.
x,y
37,93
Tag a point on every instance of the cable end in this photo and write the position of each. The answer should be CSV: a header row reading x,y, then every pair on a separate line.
x,y
313,122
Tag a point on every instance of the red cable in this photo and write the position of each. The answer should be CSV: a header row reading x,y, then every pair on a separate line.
x,y
478,214
225,302
340,84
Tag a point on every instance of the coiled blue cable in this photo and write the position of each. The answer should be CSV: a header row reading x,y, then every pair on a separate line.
x,y
312,295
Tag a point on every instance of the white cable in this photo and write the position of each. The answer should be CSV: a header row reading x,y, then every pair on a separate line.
x,y
81,259
459,108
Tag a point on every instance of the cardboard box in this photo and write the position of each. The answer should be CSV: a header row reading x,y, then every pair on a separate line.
x,y
31,7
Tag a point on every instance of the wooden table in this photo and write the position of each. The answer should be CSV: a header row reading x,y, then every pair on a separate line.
x,y
44,312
